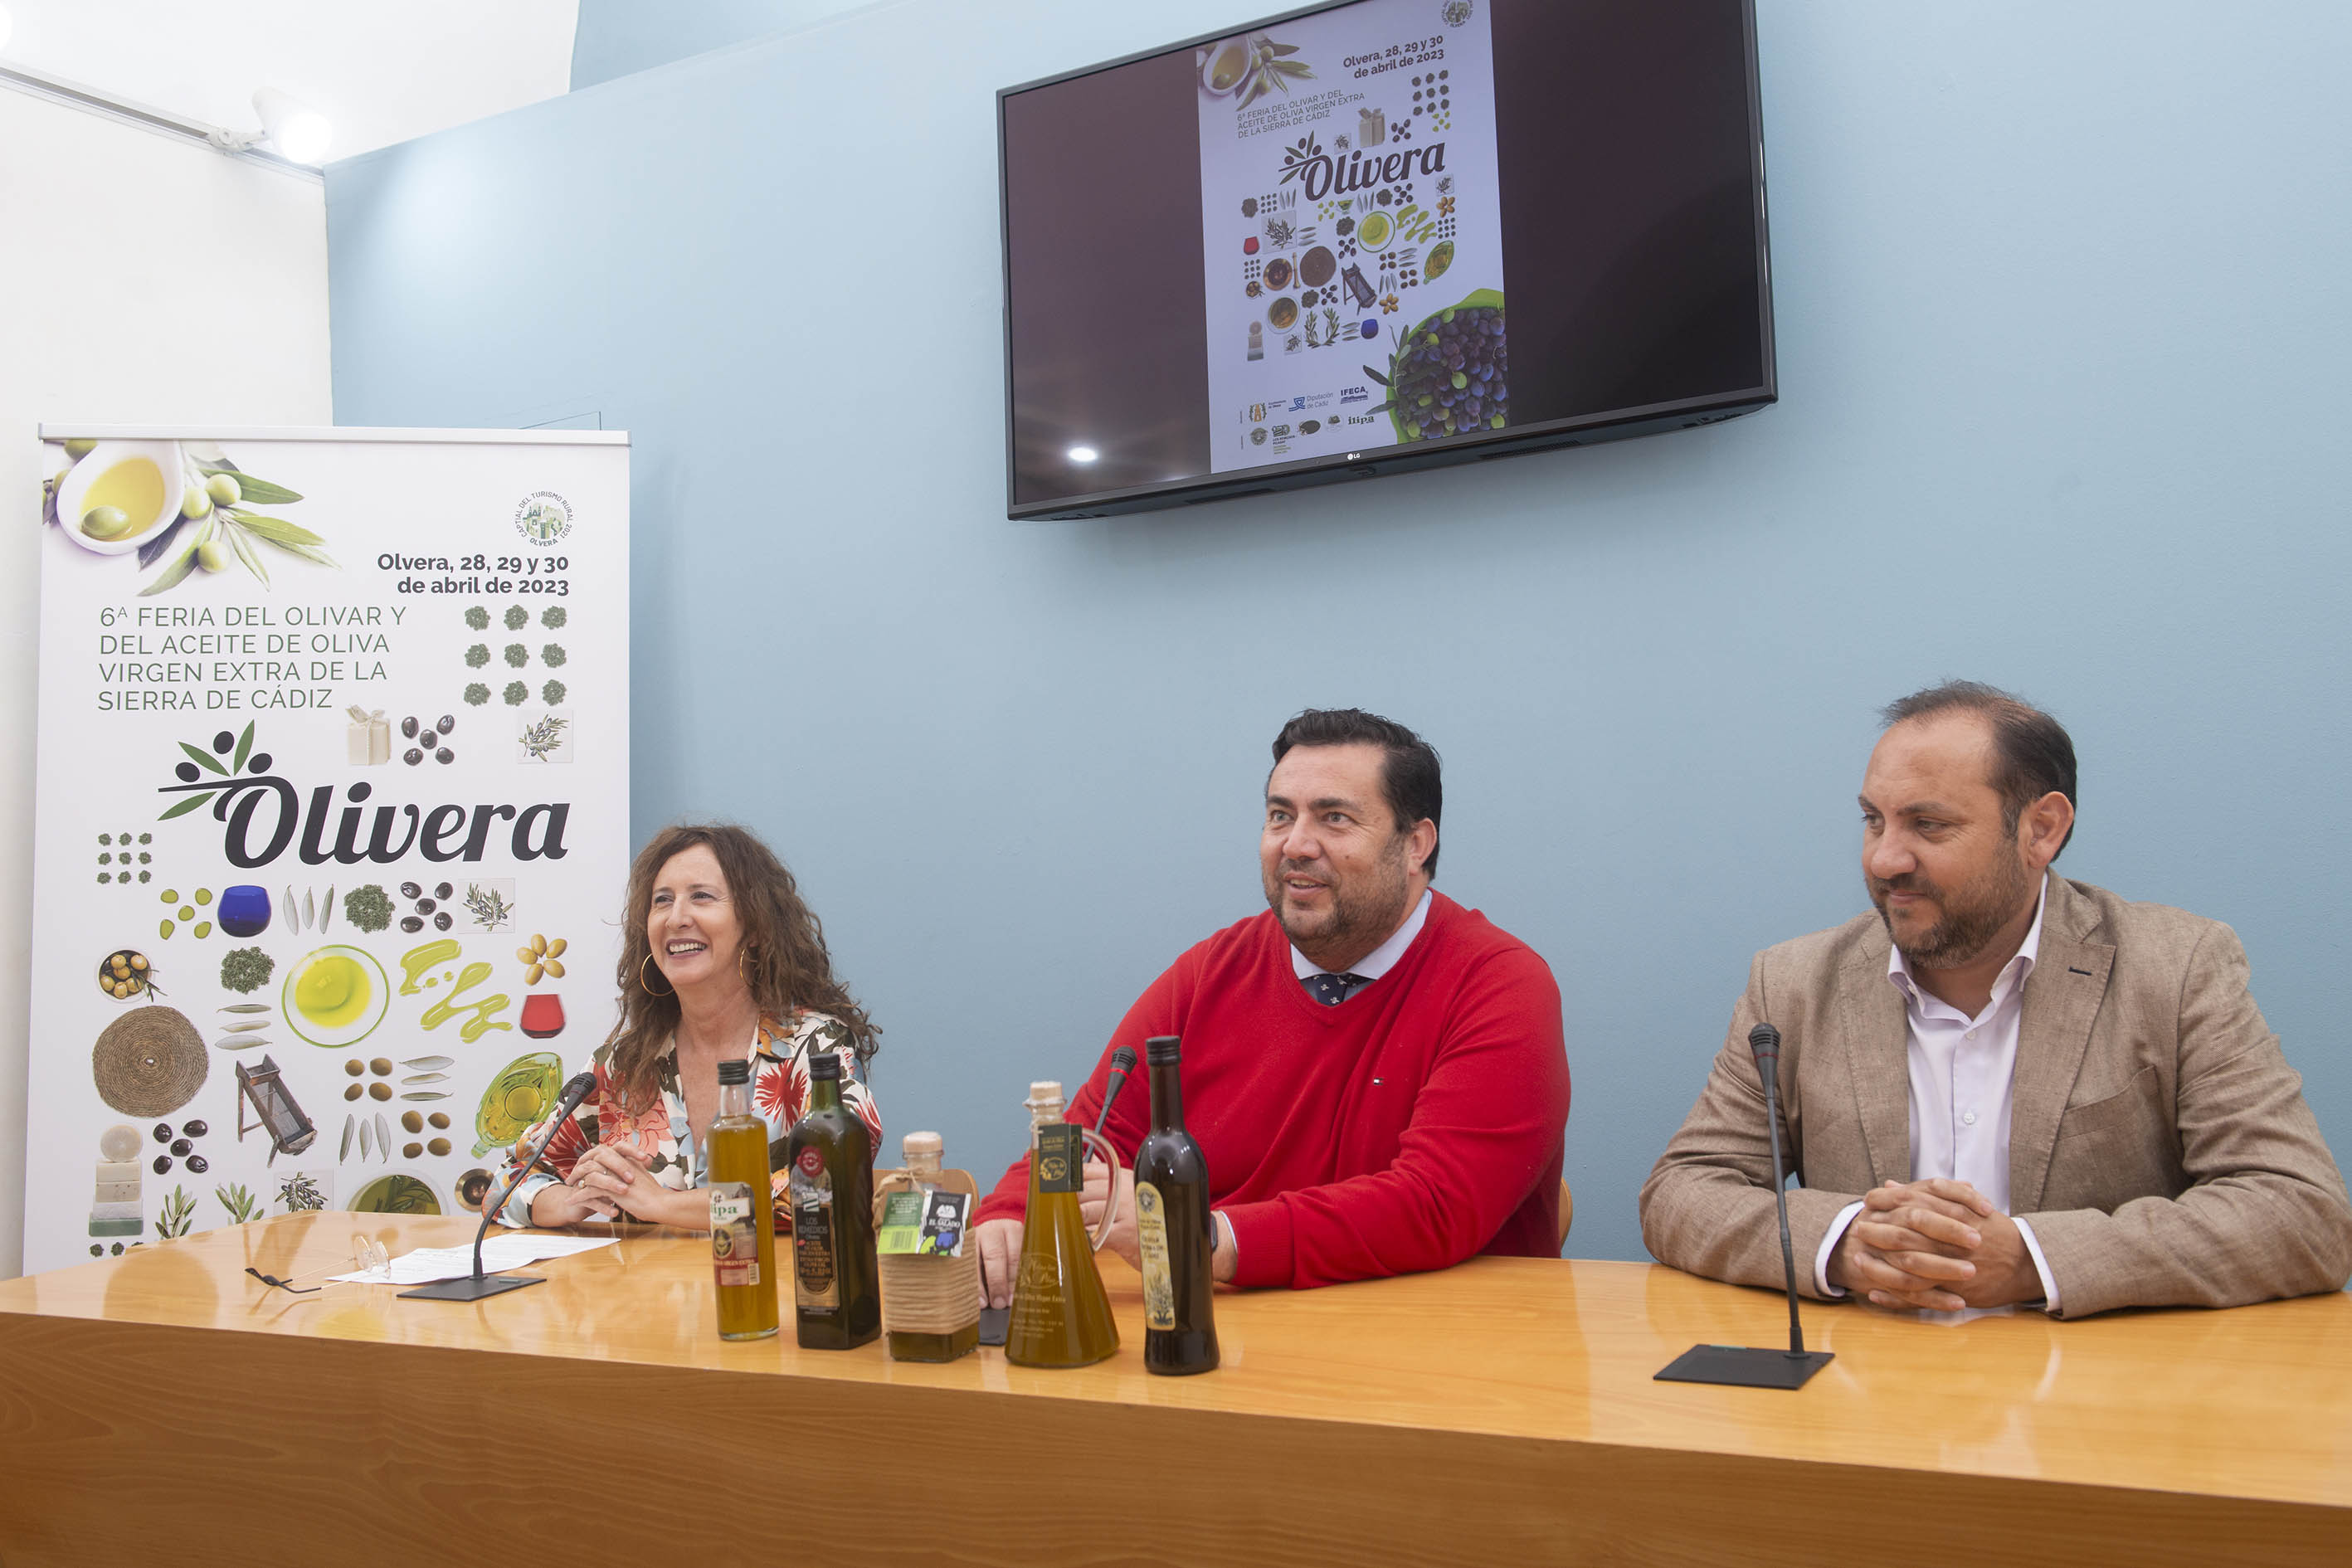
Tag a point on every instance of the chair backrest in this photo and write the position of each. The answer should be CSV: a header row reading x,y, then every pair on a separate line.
x,y
1566,1212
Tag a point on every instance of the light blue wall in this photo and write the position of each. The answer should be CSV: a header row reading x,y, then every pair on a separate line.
x,y
2062,325
616,37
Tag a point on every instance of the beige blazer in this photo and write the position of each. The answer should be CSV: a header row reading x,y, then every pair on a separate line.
x,y
2160,1144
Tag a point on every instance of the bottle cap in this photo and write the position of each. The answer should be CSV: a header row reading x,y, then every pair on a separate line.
x,y
825,1065
917,1144
1044,1089
734,1072
1161,1049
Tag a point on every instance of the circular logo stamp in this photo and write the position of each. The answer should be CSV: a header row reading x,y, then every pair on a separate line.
x,y
544,517
812,1162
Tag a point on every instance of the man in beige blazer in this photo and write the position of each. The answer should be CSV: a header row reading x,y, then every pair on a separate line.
x,y
2002,1085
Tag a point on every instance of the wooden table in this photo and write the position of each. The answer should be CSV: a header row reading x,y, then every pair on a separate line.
x,y
164,1408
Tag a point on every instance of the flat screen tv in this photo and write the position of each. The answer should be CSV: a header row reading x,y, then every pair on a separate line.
x,y
1379,235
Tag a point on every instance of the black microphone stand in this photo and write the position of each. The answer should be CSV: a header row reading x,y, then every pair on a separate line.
x,y
474,1287
1742,1366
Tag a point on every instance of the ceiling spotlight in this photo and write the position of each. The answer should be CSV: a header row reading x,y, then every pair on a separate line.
x,y
297,130
1083,453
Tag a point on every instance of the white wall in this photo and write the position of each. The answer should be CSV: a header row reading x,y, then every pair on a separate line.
x,y
141,281
380,73
2062,305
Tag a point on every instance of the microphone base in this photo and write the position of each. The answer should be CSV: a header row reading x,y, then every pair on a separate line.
x,y
1738,1366
466,1288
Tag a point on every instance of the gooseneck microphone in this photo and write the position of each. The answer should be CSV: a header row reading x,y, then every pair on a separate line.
x,y
475,1285
1122,1062
1739,1365
1764,1043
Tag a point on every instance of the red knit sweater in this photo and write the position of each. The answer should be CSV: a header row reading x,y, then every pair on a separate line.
x,y
1416,1124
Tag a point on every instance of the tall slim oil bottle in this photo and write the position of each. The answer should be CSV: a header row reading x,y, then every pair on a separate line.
x,y
836,1282
1060,1315
742,1217
1173,1228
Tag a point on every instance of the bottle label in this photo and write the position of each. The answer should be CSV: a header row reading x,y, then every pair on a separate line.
x,y
921,1223
1061,1159
1151,1240
901,1233
816,1276
734,1234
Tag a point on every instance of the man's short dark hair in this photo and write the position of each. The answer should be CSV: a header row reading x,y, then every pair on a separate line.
x,y
1410,776
2033,753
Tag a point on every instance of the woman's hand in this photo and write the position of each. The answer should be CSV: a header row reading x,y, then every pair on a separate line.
x,y
620,1173
558,1205
624,1174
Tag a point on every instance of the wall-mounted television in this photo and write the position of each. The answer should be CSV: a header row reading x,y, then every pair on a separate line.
x,y
1377,236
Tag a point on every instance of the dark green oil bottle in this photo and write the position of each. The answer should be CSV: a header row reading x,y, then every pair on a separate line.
x,y
1174,1228
836,1281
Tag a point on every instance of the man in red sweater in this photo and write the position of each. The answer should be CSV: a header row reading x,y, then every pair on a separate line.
x,y
1376,1075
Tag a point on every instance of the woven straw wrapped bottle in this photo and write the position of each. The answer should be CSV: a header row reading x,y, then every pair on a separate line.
x,y
930,1305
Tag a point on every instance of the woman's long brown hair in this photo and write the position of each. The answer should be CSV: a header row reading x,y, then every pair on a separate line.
x,y
784,960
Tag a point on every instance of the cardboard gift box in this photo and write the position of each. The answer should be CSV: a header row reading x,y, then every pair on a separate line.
x,y
368,739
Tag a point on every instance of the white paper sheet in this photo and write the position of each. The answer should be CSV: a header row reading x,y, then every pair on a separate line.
x,y
499,1253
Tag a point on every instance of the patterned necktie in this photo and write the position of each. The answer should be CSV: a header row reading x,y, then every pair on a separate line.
x,y
1332,989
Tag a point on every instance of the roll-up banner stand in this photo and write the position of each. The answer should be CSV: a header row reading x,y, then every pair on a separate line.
x,y
332,824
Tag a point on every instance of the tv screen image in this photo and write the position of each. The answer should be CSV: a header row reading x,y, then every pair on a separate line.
x,y
1377,236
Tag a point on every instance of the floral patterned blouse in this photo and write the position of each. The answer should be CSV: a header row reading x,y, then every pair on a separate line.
x,y
780,1094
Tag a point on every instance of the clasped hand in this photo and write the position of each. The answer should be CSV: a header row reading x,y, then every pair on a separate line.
x,y
1937,1244
614,1179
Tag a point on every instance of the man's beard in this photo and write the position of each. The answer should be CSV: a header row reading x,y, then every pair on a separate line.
x,y
1971,918
1370,909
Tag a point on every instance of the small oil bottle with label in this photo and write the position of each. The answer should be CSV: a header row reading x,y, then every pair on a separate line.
x,y
742,1219
836,1285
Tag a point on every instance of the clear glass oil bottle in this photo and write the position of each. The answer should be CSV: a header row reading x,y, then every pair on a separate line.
x,y
742,1217
1060,1316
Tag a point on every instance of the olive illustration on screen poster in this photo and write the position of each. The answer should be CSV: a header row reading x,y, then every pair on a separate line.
x,y
1449,374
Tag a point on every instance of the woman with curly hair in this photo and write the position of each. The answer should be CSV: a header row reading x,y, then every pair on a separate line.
x,y
721,960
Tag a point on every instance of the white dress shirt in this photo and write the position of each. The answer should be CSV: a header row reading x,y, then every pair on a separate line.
x,y
1381,959
1962,1074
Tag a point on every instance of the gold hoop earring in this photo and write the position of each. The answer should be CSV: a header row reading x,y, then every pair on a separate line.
x,y
739,975
648,990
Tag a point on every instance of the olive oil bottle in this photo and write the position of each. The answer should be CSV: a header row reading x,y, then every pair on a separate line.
x,y
742,1217
1060,1315
1173,1228
836,1283
930,1305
